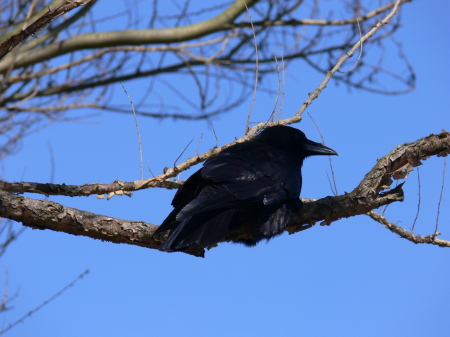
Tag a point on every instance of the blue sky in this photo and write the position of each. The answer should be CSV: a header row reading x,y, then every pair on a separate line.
x,y
353,278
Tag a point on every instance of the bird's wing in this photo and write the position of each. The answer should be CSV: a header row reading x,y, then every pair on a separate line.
x,y
189,190
251,170
242,176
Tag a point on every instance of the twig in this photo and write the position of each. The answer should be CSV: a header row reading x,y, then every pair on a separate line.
x,y
340,62
272,115
175,163
215,135
418,202
138,133
5,292
198,145
39,307
431,239
149,168
334,190
314,22
247,126
360,51
11,235
52,162
440,197
283,85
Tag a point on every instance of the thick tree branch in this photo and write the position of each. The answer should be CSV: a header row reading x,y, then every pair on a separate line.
x,y
401,161
38,25
362,200
36,16
41,214
129,37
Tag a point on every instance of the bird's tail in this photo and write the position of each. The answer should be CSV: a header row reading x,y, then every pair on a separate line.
x,y
199,231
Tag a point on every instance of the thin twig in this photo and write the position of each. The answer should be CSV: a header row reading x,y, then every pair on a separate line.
x,y
314,22
340,62
5,292
39,307
52,162
138,132
215,135
418,202
272,115
247,126
334,190
175,162
149,168
440,197
198,146
283,85
360,51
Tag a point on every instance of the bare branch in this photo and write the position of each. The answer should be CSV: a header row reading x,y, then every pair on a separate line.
x,y
119,187
418,201
41,214
401,161
431,239
141,160
133,37
38,25
343,58
312,22
362,200
440,197
39,307
247,126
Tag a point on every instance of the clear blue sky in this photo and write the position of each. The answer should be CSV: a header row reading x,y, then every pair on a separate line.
x,y
353,278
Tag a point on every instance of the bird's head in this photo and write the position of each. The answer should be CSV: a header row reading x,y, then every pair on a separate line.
x,y
293,141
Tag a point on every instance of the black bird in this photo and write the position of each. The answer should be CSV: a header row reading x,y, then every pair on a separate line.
x,y
249,192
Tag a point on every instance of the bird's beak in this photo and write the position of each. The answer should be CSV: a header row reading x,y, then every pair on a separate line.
x,y
314,149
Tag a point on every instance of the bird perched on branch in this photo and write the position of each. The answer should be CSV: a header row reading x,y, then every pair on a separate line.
x,y
247,193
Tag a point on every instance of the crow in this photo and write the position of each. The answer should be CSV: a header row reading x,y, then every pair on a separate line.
x,y
248,192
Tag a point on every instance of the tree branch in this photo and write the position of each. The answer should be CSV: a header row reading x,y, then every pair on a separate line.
x,y
38,25
431,239
397,164
40,214
129,37
401,161
362,200
312,22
